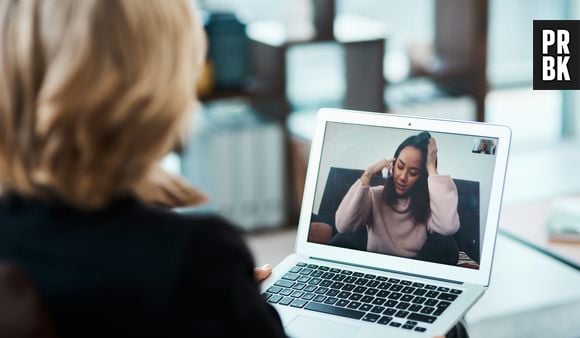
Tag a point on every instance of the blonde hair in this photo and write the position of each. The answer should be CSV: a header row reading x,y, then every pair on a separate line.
x,y
92,93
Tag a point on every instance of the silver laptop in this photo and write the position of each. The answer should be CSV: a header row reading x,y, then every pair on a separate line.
x,y
404,251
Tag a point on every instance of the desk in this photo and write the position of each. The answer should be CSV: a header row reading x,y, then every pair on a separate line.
x,y
526,222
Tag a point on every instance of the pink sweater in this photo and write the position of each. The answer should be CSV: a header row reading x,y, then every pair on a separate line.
x,y
395,233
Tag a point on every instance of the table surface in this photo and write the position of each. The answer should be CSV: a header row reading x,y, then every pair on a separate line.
x,y
526,222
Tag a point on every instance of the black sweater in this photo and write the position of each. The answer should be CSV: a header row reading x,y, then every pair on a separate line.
x,y
135,271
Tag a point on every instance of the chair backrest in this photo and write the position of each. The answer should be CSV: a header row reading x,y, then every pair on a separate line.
x,y
21,312
341,179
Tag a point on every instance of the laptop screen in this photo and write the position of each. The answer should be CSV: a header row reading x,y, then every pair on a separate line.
x,y
407,193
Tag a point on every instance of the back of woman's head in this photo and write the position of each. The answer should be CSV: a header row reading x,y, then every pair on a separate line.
x,y
92,93
419,193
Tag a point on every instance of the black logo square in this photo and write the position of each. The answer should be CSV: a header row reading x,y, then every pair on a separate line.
x,y
556,54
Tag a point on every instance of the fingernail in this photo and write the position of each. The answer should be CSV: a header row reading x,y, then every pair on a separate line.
x,y
267,266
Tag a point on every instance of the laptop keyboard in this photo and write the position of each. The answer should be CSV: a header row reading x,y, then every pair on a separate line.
x,y
378,299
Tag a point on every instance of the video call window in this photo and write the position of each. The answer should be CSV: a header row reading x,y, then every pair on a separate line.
x,y
407,193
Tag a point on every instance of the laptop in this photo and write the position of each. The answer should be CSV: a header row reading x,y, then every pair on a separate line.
x,y
355,273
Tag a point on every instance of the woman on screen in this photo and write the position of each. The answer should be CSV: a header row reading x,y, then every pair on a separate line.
x,y
415,203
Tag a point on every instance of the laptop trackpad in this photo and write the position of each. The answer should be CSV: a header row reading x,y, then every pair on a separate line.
x,y
312,327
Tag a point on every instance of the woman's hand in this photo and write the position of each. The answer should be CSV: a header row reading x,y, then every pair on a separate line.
x,y
376,168
261,273
432,157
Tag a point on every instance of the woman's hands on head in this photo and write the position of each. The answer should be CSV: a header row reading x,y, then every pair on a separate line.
x,y
376,168
432,157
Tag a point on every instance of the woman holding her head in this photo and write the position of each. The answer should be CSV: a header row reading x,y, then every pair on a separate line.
x,y
92,94
415,203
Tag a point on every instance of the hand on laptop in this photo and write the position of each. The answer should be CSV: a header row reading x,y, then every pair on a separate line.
x,y
261,273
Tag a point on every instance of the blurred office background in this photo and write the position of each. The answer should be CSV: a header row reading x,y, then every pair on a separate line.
x,y
273,63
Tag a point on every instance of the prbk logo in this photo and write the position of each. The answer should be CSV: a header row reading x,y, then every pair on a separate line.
x,y
556,54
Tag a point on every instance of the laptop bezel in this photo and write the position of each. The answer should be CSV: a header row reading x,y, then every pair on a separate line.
x,y
393,263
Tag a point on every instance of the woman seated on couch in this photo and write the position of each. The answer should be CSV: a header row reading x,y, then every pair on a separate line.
x,y
412,214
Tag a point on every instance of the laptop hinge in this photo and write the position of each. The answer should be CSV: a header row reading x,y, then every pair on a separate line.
x,y
387,270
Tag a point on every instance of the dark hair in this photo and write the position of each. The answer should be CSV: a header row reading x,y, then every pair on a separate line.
x,y
419,193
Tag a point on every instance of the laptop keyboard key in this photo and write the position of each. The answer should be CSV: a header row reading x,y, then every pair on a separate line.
x,y
456,292
431,302
443,289
344,294
286,292
420,292
299,303
342,302
389,312
395,324
295,269
385,320
447,296
315,281
291,276
403,306
316,273
377,309
355,296
310,288
378,301
422,318
286,301
303,279
366,307
274,289
301,264
331,300
415,308
308,296
349,313
274,299
299,286
367,299
432,294
383,294
284,283
407,298
319,298
354,305
348,287
420,329
371,292
402,314
395,295
297,294
358,274
427,310
326,283
370,317
408,327
332,293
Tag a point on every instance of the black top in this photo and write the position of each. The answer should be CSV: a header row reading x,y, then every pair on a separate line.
x,y
136,271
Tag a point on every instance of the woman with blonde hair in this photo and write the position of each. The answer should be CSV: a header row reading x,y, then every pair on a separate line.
x,y
92,94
